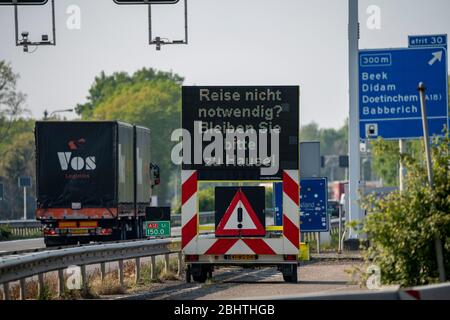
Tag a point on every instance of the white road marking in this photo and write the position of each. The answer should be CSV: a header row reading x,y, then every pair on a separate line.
x,y
23,240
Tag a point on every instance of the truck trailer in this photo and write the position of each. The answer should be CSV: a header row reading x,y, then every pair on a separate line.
x,y
94,180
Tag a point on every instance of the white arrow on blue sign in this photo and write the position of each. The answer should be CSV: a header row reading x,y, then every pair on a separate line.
x,y
389,100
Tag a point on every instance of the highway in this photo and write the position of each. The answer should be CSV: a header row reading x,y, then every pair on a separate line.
x,y
38,243
19,245
317,277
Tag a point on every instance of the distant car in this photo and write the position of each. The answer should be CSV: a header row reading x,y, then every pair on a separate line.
x,y
333,209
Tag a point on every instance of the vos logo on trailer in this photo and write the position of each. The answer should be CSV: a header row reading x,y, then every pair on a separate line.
x,y
68,160
76,163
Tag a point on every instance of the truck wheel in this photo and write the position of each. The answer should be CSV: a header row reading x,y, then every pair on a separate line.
x,y
201,278
50,243
188,274
200,273
290,273
123,232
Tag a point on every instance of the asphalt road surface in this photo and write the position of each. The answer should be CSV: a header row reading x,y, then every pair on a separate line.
x,y
30,244
17,245
236,283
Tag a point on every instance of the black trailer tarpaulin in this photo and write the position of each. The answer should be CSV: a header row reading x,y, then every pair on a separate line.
x,y
76,163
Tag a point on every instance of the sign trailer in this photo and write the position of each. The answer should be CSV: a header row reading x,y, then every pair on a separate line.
x,y
239,134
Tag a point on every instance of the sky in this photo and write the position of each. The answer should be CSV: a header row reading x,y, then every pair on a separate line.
x,y
231,42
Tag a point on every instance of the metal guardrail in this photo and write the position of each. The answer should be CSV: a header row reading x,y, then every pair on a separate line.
x,y
22,267
23,228
428,292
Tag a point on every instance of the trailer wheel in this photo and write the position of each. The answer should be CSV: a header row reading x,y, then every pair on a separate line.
x,y
201,278
49,243
188,274
121,232
200,273
290,273
134,232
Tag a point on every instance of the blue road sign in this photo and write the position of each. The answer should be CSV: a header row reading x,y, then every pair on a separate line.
x,y
427,41
278,203
389,104
313,205
24,182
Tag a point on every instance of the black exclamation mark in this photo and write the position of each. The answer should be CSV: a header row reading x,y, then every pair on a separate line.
x,y
239,217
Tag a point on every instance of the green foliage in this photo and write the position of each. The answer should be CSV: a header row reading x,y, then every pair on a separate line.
x,y
11,100
206,199
149,98
402,226
105,86
17,160
16,136
5,232
269,198
386,159
332,141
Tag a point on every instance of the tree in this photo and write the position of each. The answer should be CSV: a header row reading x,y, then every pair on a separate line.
x,y
333,142
149,98
385,160
402,226
13,143
18,161
11,101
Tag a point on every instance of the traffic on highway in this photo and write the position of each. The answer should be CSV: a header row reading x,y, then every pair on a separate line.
x,y
157,150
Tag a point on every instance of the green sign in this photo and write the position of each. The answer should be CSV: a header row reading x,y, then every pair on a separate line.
x,y
157,228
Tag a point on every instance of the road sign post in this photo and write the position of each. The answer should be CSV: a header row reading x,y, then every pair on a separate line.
x,y
24,182
355,212
402,169
426,138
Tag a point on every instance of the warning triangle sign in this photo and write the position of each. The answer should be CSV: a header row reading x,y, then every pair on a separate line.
x,y
240,219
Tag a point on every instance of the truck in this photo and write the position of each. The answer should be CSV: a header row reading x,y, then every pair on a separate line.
x,y
94,180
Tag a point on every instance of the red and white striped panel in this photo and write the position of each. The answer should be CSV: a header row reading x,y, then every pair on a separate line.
x,y
291,210
189,212
288,244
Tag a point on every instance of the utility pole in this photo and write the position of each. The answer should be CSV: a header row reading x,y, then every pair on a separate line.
x,y
426,138
402,169
354,156
24,203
